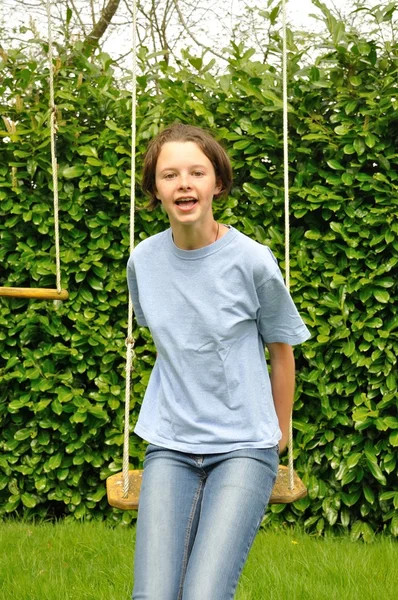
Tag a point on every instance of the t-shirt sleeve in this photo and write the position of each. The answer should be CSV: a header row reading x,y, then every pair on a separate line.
x,y
278,319
134,294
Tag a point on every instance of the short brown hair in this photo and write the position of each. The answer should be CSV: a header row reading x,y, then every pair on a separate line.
x,y
185,133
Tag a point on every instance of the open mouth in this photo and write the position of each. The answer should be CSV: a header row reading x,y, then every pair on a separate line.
x,y
186,203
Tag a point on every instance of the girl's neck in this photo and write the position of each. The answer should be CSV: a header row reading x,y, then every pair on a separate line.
x,y
192,238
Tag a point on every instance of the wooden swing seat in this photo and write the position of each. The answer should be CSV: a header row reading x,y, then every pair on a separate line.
x,y
281,494
37,293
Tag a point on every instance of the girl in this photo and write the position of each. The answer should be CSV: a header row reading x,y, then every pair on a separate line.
x,y
214,419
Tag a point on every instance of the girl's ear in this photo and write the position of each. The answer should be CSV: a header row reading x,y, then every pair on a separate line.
x,y
219,188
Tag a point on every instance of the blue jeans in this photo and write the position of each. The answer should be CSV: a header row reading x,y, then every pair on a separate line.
x,y
198,516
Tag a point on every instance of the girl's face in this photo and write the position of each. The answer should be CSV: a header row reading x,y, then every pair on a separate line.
x,y
186,183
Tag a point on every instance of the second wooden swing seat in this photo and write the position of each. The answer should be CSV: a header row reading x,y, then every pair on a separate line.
x,y
35,293
45,293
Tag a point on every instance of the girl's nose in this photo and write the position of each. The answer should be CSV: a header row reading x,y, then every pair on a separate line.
x,y
184,182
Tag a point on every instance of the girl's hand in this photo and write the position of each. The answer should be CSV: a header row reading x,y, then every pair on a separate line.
x,y
283,443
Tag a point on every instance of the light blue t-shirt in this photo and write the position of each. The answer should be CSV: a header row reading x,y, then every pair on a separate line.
x,y
210,311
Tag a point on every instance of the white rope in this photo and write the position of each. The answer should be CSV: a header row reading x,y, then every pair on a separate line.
x,y
287,209
130,340
53,131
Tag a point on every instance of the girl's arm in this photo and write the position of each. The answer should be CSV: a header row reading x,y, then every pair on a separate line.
x,y
282,382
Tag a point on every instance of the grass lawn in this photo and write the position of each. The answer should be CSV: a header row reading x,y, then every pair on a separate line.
x,y
72,561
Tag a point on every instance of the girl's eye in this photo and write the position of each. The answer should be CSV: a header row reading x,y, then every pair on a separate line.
x,y
169,176
198,173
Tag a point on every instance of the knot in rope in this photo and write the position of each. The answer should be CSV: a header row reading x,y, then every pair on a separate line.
x,y
130,341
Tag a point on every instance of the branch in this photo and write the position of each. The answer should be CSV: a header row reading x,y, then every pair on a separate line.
x,y
161,32
106,17
92,12
142,11
185,26
77,13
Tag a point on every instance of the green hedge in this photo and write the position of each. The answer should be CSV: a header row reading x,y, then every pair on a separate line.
x,y
63,367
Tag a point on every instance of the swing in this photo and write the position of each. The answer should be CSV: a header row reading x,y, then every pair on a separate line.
x,y
45,293
123,488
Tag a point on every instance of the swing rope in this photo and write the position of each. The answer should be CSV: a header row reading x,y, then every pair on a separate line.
x,y
287,208
53,133
130,340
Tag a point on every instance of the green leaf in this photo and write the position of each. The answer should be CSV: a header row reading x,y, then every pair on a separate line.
x,y
41,484
95,162
342,129
347,178
350,107
334,164
393,439
342,471
349,348
355,80
22,434
55,461
88,151
79,417
345,517
98,495
241,145
72,172
312,235
363,48
369,494
108,171
370,140
354,459
356,530
359,146
376,322
98,412
375,469
381,296
43,438
16,405
56,406
80,511
111,125
28,500
349,149
391,382
331,515
388,495
65,394
76,498
95,283
256,174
